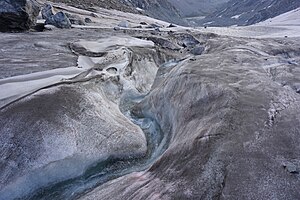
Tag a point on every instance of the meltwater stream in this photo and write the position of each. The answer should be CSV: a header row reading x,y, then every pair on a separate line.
x,y
111,168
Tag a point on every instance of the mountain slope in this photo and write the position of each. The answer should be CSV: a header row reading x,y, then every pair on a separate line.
x,y
194,8
248,12
160,9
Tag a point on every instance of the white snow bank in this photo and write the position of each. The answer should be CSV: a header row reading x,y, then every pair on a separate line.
x,y
291,18
16,87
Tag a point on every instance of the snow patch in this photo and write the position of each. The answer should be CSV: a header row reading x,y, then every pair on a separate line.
x,y
139,9
236,16
207,23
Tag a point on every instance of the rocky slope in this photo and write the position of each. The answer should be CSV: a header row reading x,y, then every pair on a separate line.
x,y
159,9
106,112
111,4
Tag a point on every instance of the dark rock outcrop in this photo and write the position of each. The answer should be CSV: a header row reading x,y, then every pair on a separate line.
x,y
124,24
47,11
187,40
198,50
87,20
60,19
164,43
18,15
